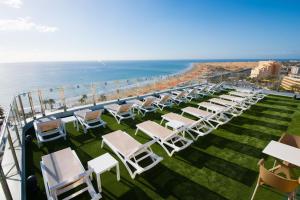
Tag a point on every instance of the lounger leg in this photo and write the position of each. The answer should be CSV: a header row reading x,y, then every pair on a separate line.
x,y
102,144
99,183
161,120
137,130
118,171
77,125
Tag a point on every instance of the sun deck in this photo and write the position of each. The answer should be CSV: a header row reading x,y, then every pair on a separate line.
x,y
220,165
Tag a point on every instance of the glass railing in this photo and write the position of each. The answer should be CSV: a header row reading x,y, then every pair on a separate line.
x,y
27,106
11,154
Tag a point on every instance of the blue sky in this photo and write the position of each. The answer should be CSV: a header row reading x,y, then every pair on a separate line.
x,y
52,30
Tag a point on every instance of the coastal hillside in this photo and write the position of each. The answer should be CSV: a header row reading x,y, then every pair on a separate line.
x,y
206,68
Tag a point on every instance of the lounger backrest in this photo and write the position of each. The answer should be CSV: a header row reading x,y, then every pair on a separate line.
x,y
164,99
92,115
180,95
125,108
193,91
148,102
49,125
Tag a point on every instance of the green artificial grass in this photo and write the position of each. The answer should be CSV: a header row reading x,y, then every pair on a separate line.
x,y
221,165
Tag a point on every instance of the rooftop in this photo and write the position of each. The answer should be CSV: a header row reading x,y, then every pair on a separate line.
x,y
220,165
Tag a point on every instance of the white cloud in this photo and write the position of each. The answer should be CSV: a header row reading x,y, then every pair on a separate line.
x,y
12,3
24,24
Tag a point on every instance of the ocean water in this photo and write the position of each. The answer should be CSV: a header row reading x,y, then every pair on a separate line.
x,y
22,77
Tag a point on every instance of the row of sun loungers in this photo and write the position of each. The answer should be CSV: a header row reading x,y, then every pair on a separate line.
x,y
178,133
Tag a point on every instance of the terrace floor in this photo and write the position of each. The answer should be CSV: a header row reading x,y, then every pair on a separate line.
x,y
221,165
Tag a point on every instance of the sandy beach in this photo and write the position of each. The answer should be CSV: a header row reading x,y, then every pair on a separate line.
x,y
195,73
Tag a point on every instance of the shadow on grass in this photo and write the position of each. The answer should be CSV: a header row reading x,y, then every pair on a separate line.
x,y
248,132
277,103
134,193
277,117
243,120
223,143
261,108
201,159
280,98
168,184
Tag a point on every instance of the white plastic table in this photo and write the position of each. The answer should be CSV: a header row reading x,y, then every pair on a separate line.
x,y
67,120
103,164
283,152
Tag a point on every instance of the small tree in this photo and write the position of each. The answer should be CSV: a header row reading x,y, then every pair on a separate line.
x,y
51,103
46,102
1,112
83,99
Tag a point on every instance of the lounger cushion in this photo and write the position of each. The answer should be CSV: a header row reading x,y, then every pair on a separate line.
x,y
49,125
213,106
223,102
180,118
123,142
136,102
82,113
233,98
154,129
114,107
92,115
125,108
148,101
197,112
61,166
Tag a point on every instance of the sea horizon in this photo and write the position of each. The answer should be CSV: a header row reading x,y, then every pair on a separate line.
x,y
27,76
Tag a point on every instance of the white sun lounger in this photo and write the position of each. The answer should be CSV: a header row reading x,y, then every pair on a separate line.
x,y
211,118
234,108
194,128
222,113
89,119
201,90
242,101
250,97
47,129
144,107
120,112
179,97
62,172
163,101
171,141
212,88
131,152
192,94
257,93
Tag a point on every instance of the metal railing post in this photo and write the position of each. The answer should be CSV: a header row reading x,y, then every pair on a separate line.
x,y
16,110
12,148
31,104
22,108
93,87
4,185
62,97
15,126
41,102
